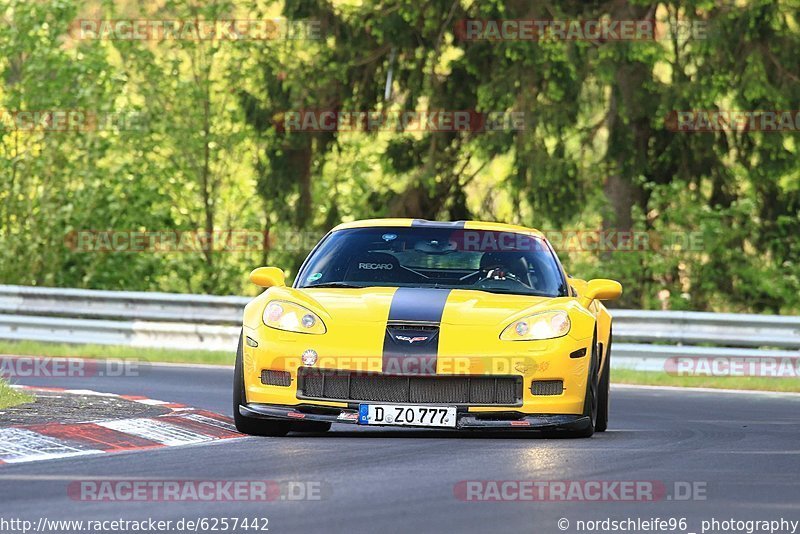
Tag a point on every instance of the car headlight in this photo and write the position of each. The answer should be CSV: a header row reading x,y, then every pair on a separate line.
x,y
545,325
292,317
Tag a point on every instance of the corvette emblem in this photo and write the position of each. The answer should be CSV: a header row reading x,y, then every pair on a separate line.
x,y
412,339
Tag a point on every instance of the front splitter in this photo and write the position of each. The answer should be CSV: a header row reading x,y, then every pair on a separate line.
x,y
465,420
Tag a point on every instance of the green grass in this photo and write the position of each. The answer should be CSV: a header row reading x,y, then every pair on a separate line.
x,y
116,352
625,376
11,397
618,376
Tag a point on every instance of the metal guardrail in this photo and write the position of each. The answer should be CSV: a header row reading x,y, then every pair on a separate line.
x,y
642,339
697,328
138,319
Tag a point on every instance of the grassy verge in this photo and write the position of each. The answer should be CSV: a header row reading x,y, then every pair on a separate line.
x,y
11,397
625,376
618,376
116,352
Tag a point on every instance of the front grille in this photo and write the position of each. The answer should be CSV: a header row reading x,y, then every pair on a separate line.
x,y
356,386
275,378
415,327
547,387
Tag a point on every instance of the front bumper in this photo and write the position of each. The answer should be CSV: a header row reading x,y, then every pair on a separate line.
x,y
465,420
548,360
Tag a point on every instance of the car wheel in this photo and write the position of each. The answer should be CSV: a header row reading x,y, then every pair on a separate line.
x,y
590,401
604,391
250,425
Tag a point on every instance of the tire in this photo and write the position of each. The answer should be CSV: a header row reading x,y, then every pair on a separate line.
x,y
604,391
250,425
590,400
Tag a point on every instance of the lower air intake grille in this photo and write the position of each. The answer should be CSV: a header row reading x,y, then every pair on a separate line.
x,y
275,378
376,387
547,387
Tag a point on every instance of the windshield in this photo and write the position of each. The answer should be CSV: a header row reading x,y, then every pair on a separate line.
x,y
499,262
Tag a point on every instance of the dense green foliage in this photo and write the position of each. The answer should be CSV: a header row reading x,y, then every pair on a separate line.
x,y
210,151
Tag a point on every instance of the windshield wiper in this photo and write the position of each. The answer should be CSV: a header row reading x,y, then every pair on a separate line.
x,y
334,284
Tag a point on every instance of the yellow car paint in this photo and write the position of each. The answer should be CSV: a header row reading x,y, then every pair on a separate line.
x,y
469,337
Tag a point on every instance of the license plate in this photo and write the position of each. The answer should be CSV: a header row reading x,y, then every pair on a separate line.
x,y
389,414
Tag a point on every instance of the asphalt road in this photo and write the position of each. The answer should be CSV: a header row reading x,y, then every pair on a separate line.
x,y
741,452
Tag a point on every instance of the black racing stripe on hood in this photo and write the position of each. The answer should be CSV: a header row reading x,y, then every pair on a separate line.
x,y
418,305
413,305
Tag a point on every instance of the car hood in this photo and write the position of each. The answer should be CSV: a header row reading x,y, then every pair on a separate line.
x,y
457,306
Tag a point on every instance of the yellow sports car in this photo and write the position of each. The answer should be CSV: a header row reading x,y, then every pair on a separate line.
x,y
460,325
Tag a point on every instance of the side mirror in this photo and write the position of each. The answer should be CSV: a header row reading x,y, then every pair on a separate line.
x,y
268,277
602,289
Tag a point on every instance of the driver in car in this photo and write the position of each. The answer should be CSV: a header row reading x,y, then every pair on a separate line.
x,y
502,265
